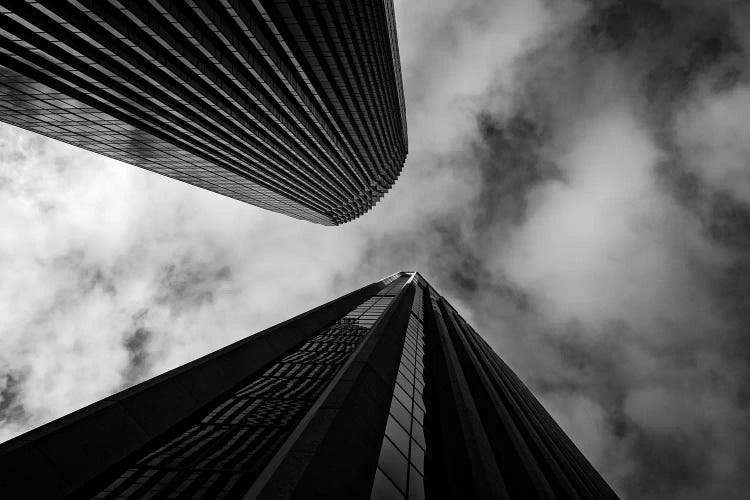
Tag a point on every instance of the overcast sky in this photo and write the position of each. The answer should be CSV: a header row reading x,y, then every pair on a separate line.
x,y
577,185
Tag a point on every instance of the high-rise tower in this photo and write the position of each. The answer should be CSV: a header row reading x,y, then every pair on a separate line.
x,y
293,106
384,393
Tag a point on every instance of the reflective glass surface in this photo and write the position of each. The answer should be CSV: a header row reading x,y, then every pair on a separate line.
x,y
402,454
296,108
222,451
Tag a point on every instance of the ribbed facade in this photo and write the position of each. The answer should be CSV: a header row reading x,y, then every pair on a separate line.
x,y
385,393
512,447
293,106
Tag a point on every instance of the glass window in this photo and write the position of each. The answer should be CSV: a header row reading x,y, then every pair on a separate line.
x,y
393,464
398,435
407,363
420,364
405,383
419,384
409,351
418,414
417,456
405,371
416,485
383,488
400,413
419,402
267,407
402,395
418,433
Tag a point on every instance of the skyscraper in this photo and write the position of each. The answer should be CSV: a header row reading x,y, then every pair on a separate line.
x,y
384,393
293,106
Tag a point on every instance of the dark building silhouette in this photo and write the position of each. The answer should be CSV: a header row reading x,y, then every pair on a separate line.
x,y
293,106
384,393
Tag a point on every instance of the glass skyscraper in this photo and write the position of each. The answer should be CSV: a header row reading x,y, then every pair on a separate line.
x,y
293,106
384,393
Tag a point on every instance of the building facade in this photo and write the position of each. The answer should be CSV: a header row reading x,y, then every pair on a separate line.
x,y
292,106
384,393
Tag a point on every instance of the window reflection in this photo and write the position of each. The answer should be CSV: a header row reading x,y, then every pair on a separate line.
x,y
416,485
404,431
223,449
393,464
384,489
398,435
400,413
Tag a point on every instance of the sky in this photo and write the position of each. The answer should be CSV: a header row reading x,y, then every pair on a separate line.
x,y
577,186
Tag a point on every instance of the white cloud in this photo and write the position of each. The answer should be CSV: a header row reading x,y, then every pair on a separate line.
x,y
604,242
714,138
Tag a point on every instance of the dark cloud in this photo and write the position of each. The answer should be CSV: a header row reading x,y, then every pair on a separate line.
x,y
89,277
728,221
12,410
671,466
680,241
675,45
136,345
191,283
510,160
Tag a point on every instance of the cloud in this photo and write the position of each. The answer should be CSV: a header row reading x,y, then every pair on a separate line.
x,y
111,275
12,412
715,142
600,249
576,186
